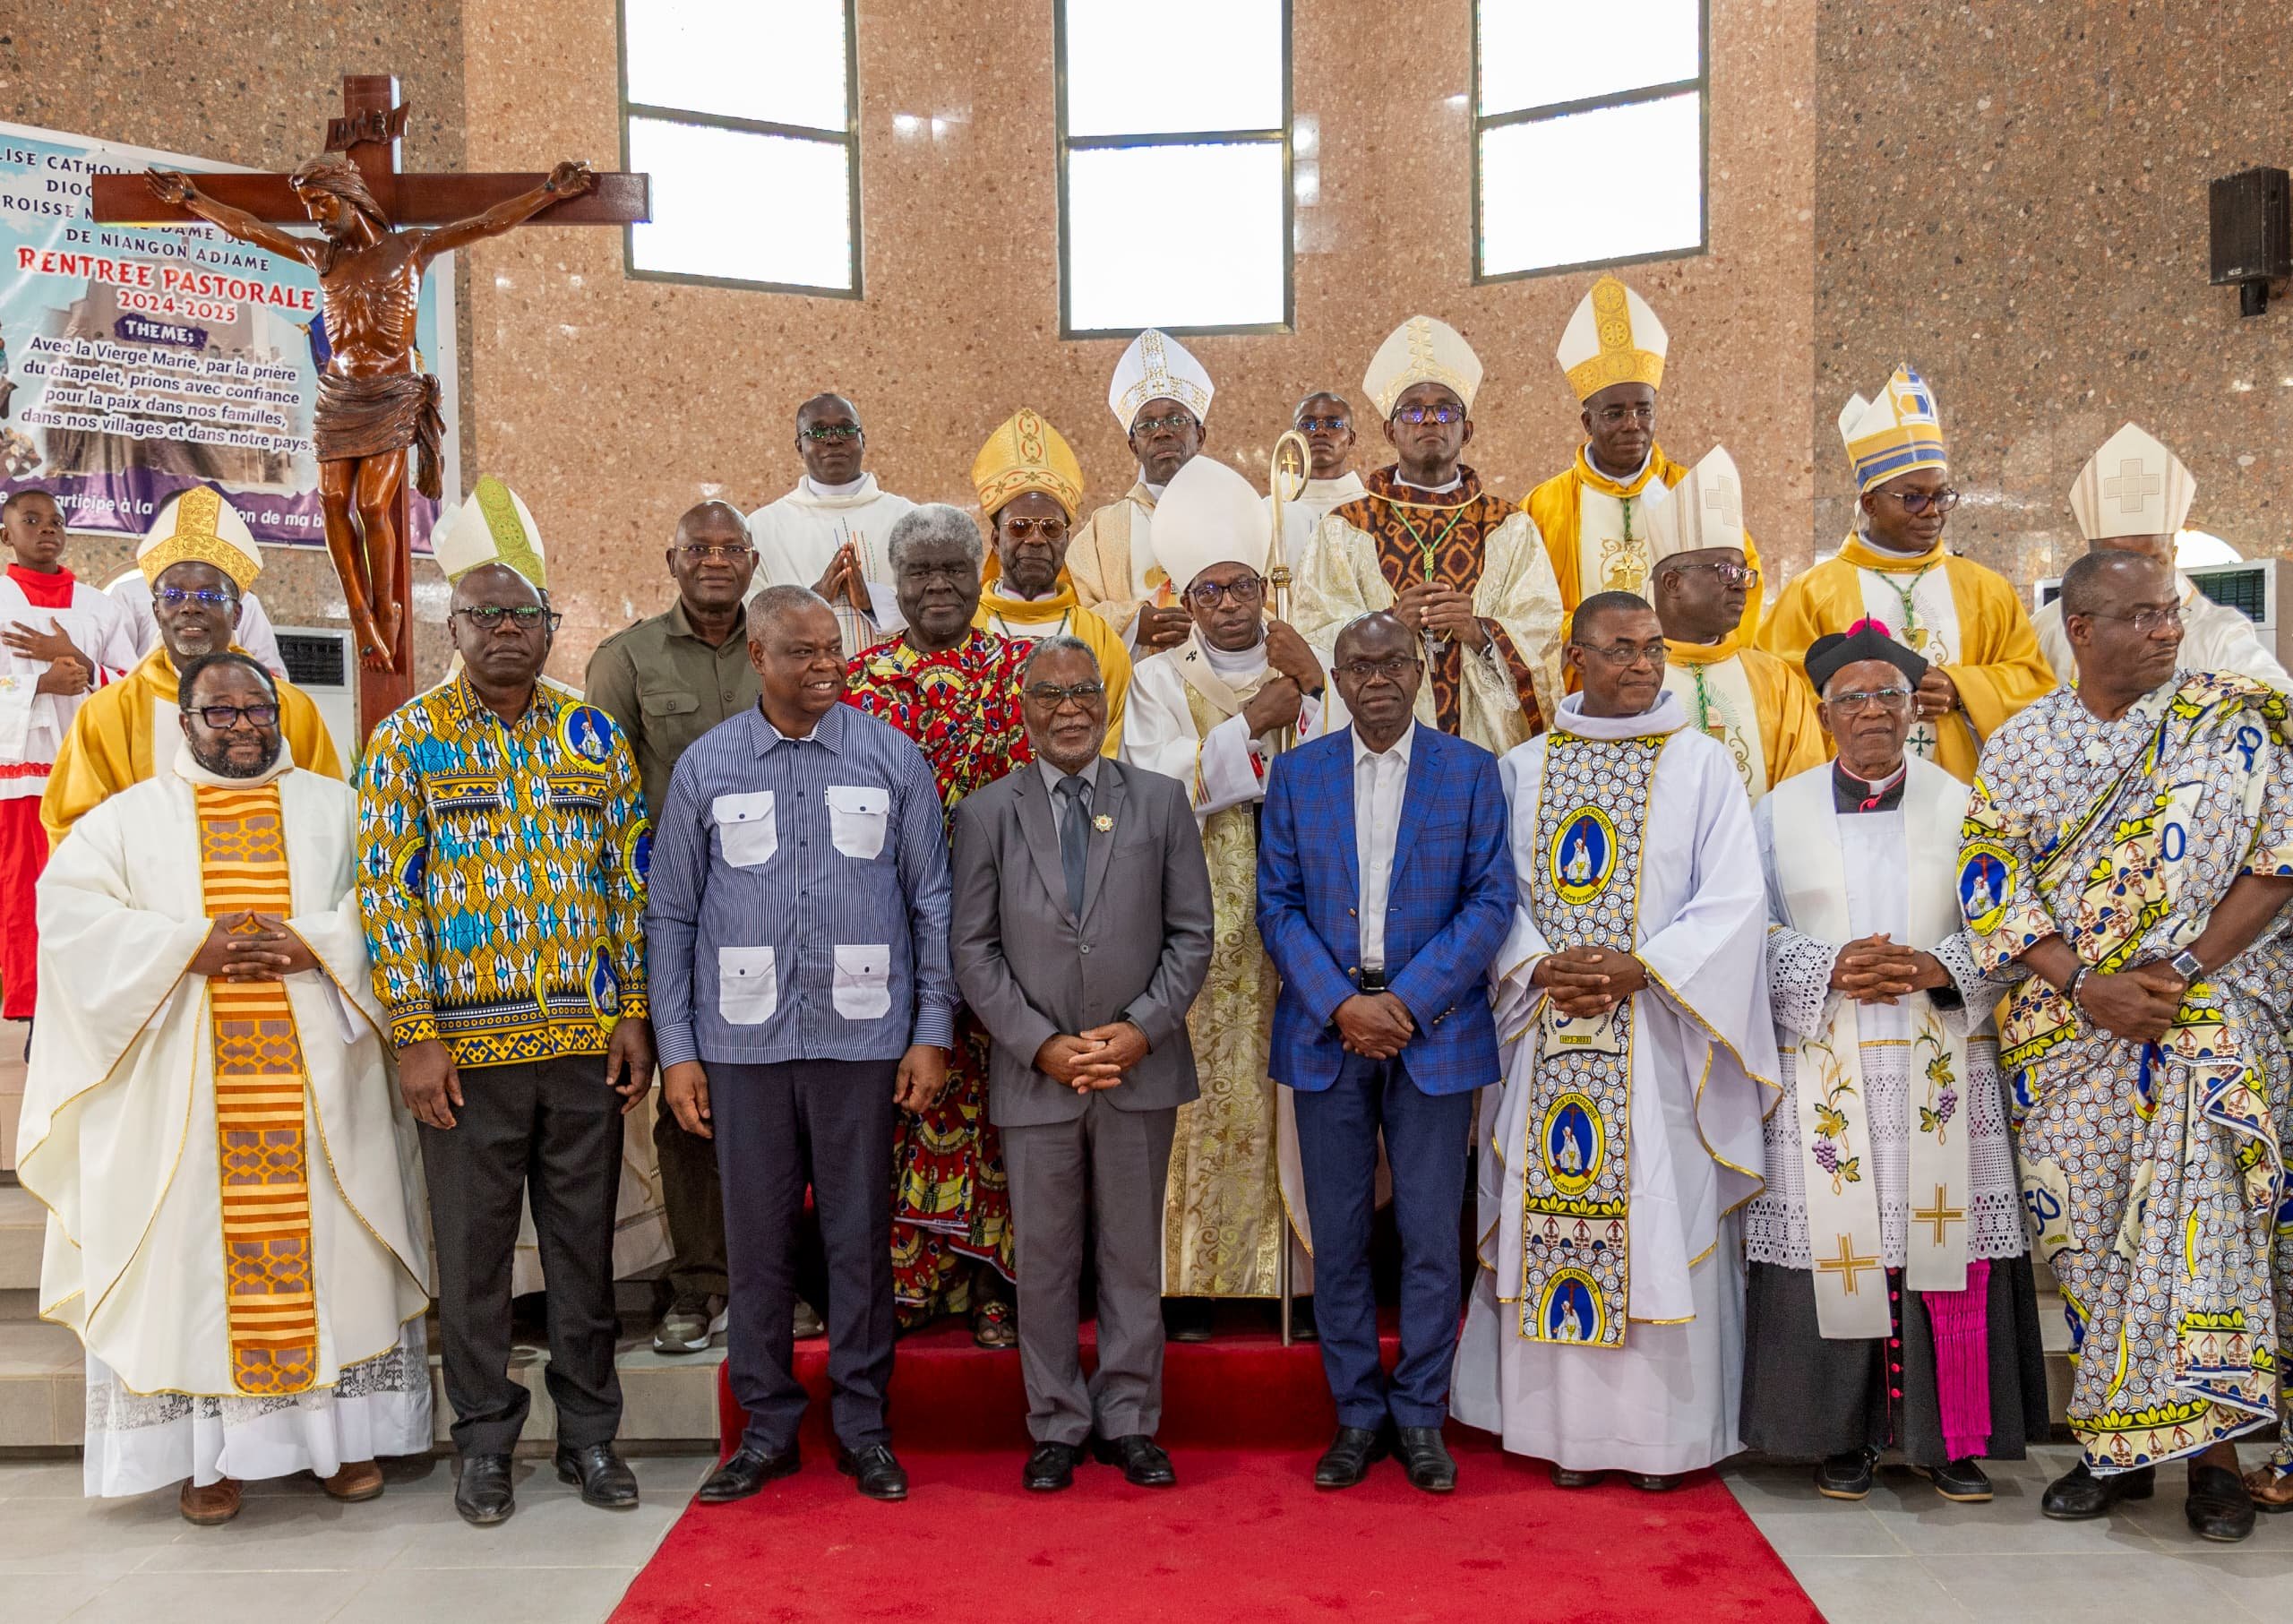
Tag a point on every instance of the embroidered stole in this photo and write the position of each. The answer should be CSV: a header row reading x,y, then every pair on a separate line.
x,y
1576,1266
260,1088
1844,1230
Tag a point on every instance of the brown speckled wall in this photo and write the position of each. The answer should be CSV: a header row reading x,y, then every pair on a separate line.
x,y
2013,196
613,405
246,81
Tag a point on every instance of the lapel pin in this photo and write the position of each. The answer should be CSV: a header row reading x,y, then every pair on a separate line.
x,y
1103,823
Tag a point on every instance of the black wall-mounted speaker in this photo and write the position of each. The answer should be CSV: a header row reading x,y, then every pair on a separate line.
x,y
2252,214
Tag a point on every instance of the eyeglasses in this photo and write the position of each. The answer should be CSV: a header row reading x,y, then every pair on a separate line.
x,y
1620,657
1023,530
1610,416
1052,696
1176,422
221,716
1393,669
1307,425
525,617
1920,502
818,432
1210,593
1731,575
175,598
2144,622
1895,701
715,552
1429,414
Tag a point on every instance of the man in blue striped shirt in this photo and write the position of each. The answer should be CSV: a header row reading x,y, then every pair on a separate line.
x,y
798,937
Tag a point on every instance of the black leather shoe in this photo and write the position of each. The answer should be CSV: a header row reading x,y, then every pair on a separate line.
x,y
482,1492
2219,1508
1568,1477
748,1471
605,1477
1143,1465
1052,1467
1426,1459
1845,1476
1654,1482
2078,1496
1188,1319
874,1471
1346,1461
1960,1479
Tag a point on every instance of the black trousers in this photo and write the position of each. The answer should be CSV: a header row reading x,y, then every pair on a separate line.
x,y
550,1130
780,1126
696,1207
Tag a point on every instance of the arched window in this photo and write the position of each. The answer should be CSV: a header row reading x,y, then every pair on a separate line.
x,y
745,114
1588,134
1174,165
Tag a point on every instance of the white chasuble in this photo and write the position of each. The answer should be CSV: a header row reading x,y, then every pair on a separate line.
x,y
1921,611
1864,874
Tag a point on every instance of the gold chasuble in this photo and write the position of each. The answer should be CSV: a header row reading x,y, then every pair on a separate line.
x,y
1367,551
1109,579
117,739
1956,615
1753,704
1596,535
259,1106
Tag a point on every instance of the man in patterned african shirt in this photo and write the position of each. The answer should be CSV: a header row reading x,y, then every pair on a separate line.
x,y
1459,566
954,689
503,846
1213,713
2129,846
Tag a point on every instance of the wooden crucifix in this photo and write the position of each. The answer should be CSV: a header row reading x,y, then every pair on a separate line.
x,y
379,230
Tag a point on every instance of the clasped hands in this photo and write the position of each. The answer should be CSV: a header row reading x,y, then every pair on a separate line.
x,y
1092,1061
1440,609
1588,981
69,672
1875,970
844,581
2138,1005
251,947
1376,1025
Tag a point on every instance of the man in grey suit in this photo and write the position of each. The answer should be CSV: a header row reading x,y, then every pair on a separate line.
x,y
1080,933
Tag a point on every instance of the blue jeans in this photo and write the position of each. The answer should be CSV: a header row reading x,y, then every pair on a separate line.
x,y
1426,1146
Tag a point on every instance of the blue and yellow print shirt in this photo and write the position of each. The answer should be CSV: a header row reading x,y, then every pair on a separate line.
x,y
501,875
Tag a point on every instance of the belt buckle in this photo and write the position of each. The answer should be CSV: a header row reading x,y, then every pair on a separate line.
x,y
1373,981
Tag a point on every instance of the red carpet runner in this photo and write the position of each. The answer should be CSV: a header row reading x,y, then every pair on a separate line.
x,y
1244,1537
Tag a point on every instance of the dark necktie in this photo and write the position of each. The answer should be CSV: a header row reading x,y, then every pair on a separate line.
x,y
1075,836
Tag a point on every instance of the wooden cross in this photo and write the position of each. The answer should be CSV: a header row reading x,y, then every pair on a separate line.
x,y
1847,1264
368,132
1940,1215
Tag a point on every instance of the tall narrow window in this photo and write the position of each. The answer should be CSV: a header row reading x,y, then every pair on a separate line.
x,y
745,114
1588,134
1174,165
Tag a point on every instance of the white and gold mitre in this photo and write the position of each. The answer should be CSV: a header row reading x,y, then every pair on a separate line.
x,y
1210,514
1704,509
199,527
493,527
1612,337
2132,486
1157,367
1894,434
1422,351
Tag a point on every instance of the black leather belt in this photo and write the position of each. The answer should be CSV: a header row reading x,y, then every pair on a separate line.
x,y
1373,981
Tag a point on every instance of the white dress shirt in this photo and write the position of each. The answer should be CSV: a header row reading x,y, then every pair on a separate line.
x,y
1381,781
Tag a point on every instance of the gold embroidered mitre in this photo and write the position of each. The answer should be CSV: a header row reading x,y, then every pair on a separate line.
x,y
1422,351
199,527
1026,454
1157,367
493,525
1894,434
1612,337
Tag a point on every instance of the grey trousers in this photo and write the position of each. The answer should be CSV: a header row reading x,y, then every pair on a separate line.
x,y
1108,1166
779,1127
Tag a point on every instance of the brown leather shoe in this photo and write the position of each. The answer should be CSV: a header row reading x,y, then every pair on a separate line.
x,y
210,1506
359,1479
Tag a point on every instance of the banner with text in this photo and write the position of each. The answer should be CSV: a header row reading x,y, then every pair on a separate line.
x,y
135,362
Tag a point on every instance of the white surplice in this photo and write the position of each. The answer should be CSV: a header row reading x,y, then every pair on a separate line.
x,y
1303,514
119,1142
1703,1069
2214,637
797,535
32,723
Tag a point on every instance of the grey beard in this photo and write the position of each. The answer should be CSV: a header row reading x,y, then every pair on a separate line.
x,y
223,767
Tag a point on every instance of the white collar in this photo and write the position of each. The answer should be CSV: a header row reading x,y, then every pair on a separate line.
x,y
1150,487
1456,480
1397,751
1343,489
814,487
190,771
1645,459
1667,715
1232,663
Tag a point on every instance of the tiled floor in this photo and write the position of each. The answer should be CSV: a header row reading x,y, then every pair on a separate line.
x,y
1903,1556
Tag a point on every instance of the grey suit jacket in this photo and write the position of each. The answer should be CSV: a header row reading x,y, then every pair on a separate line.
x,y
1032,970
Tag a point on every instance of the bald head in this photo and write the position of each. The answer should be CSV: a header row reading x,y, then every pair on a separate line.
x,y
712,560
829,440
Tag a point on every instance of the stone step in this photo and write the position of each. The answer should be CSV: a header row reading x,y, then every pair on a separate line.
x,y
23,1224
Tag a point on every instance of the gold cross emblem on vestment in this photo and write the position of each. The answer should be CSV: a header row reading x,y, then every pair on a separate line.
x,y
1847,1265
1940,1215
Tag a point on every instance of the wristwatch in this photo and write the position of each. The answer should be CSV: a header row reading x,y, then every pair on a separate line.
x,y
2186,964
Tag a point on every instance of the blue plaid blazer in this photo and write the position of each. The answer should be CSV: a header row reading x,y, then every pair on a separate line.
x,y
1448,910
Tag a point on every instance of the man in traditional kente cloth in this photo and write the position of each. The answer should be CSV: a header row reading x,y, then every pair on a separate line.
x,y
2130,845
373,402
954,690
